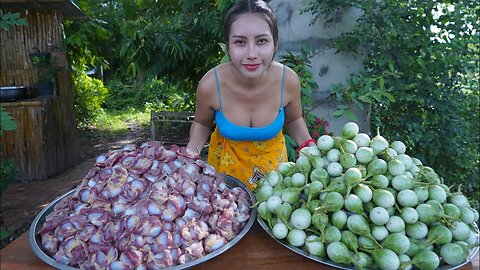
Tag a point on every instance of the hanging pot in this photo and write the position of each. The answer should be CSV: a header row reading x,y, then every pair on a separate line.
x,y
45,88
12,93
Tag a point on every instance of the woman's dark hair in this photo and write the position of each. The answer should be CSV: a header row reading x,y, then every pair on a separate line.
x,y
251,6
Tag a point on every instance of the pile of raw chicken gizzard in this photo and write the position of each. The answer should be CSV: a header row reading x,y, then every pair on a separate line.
x,y
144,207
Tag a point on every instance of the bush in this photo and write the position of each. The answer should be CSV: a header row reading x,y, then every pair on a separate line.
x,y
151,95
90,95
425,57
8,173
120,96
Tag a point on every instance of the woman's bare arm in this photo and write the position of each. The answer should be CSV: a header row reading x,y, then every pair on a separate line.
x,y
294,122
204,114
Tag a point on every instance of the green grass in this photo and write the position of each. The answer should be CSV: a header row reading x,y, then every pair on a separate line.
x,y
115,122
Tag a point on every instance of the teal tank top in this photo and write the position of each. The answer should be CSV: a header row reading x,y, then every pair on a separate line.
x,y
244,133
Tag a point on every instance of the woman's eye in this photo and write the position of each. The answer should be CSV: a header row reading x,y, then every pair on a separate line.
x,y
262,41
239,42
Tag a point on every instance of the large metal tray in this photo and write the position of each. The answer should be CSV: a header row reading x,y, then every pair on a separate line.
x,y
35,241
328,262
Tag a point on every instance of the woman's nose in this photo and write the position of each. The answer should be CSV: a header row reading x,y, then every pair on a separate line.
x,y
252,53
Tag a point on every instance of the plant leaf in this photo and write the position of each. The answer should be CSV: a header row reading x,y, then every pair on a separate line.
x,y
338,113
351,115
377,96
365,98
6,122
4,234
389,96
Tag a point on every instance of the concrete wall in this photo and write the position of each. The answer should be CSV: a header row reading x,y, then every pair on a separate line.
x,y
328,67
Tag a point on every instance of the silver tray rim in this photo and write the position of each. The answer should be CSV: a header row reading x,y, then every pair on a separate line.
x,y
304,253
231,182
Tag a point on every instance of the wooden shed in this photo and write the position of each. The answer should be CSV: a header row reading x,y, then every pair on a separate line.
x,y
46,141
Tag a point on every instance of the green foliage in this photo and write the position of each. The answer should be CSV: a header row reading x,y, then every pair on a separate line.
x,y
86,40
225,57
141,40
152,94
8,169
363,89
139,44
90,95
6,121
120,96
46,67
158,95
301,64
291,145
178,39
8,173
11,19
4,234
90,43
424,56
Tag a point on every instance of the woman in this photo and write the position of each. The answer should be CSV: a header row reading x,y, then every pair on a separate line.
x,y
250,99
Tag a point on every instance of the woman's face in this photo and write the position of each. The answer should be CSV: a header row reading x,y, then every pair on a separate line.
x,y
251,45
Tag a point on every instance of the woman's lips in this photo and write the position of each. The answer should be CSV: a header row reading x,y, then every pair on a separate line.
x,y
251,67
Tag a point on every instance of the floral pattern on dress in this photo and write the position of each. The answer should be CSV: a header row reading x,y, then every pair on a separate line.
x,y
260,145
226,160
246,160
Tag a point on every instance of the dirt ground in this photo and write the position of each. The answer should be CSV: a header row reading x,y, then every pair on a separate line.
x,y
94,142
22,201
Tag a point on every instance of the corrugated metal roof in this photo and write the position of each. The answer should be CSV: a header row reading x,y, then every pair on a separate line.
x,y
67,7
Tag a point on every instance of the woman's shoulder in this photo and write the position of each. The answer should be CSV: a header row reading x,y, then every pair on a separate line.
x,y
279,68
291,77
207,84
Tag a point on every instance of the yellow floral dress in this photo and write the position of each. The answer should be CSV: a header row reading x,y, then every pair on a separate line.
x,y
247,161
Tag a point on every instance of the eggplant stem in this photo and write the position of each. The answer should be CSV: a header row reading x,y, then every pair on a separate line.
x,y
315,232
375,240
339,145
402,266
389,156
256,204
357,264
286,223
398,208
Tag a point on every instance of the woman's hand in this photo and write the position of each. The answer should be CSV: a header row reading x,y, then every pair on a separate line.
x,y
199,134
297,129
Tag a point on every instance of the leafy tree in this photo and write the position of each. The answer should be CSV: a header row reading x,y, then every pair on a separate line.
x,y
143,39
140,42
431,53
89,41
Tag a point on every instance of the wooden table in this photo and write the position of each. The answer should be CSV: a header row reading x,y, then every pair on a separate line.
x,y
257,250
